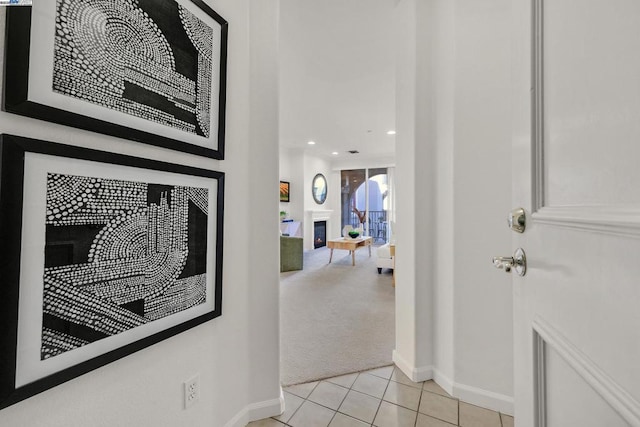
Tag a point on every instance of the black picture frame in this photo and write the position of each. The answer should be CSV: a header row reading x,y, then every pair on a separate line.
x,y
18,95
285,191
20,173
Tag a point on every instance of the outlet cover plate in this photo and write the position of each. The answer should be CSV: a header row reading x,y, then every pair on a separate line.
x,y
191,391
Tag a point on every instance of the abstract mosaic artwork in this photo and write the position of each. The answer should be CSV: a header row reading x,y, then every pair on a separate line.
x,y
118,254
103,255
147,58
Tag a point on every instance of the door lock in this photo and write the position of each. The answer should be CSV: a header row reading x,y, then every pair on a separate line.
x,y
517,220
518,262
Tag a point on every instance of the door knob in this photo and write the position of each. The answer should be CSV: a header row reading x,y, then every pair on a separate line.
x,y
518,262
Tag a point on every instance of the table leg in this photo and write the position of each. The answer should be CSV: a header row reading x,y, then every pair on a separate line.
x,y
353,258
369,250
330,255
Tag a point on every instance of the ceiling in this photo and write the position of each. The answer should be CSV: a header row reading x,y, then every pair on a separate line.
x,y
337,77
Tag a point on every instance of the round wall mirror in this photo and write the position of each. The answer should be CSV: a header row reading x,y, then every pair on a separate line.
x,y
319,188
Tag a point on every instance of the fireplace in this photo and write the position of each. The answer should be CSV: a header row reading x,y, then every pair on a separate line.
x,y
310,219
319,234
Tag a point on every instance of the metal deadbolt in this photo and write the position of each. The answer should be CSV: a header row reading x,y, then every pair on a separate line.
x,y
518,262
517,220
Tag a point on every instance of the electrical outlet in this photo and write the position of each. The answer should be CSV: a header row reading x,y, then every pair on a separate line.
x,y
191,391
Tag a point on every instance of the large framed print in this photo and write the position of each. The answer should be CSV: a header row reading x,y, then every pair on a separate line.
x,y
102,255
153,71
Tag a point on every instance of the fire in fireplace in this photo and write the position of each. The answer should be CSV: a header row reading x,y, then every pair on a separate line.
x,y
319,234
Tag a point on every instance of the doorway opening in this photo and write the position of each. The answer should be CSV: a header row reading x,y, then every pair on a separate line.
x,y
338,317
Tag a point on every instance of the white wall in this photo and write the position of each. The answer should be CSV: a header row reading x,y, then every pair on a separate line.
x,y
313,165
442,48
285,175
236,354
335,200
300,167
415,192
482,155
337,75
291,170
362,162
263,257
453,153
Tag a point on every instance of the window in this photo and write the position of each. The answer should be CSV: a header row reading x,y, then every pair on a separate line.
x,y
366,199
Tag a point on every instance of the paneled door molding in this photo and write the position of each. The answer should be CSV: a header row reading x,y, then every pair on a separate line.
x,y
547,337
618,220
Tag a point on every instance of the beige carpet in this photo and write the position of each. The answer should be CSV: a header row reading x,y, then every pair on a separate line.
x,y
335,318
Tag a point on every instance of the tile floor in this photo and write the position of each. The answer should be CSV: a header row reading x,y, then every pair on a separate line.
x,y
382,397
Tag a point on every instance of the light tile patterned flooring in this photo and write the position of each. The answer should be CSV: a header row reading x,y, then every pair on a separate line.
x,y
382,397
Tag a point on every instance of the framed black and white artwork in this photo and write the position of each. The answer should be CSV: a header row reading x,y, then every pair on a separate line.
x,y
153,71
103,255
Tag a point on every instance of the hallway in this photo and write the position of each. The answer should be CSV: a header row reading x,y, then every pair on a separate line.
x,y
382,397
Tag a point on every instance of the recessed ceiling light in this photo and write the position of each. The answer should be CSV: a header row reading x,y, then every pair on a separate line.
x,y
311,143
391,132
335,153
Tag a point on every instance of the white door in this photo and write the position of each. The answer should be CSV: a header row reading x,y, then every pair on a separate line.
x,y
576,157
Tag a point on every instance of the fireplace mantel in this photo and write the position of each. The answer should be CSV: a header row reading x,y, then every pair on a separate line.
x,y
319,215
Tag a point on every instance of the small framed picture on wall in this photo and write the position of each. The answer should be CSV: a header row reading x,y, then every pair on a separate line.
x,y
284,191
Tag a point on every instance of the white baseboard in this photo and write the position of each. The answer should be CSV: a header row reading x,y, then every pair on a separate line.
x,y
443,381
473,395
257,411
423,373
486,399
